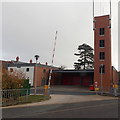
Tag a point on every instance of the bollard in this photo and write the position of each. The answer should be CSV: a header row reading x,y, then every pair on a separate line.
x,y
96,90
115,86
46,90
115,92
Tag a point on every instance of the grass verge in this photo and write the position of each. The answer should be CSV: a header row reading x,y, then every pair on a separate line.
x,y
24,99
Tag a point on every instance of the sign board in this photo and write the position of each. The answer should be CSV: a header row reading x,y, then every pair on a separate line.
x,y
96,89
96,84
46,87
115,86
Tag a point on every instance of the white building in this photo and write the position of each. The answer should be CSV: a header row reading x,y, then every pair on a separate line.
x,y
40,74
26,68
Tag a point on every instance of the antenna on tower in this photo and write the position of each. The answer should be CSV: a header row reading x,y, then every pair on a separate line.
x,y
110,8
93,9
93,17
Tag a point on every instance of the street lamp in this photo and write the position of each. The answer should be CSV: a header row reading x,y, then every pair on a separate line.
x,y
101,72
36,57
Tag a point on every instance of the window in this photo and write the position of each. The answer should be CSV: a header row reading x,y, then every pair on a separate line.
x,y
102,69
18,66
11,69
102,56
44,71
102,31
102,43
27,69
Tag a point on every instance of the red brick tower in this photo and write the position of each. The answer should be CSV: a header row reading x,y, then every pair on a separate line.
x,y
102,55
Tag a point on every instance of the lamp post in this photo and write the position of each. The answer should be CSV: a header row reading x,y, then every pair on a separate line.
x,y
35,82
101,72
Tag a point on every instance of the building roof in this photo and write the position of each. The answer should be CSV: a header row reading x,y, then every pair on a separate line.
x,y
114,68
74,71
4,63
28,64
101,16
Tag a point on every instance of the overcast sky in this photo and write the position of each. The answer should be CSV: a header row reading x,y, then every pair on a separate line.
x,y
28,28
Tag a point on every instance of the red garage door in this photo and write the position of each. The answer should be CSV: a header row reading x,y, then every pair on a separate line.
x,y
76,80
66,80
85,81
71,80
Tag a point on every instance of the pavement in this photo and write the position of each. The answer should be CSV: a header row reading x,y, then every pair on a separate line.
x,y
62,98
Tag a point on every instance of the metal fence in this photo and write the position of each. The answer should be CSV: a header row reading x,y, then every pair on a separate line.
x,y
18,96
39,90
13,96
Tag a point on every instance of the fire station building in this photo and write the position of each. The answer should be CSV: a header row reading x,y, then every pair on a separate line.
x,y
104,74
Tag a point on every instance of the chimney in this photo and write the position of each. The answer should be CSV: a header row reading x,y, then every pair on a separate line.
x,y
31,61
17,59
46,63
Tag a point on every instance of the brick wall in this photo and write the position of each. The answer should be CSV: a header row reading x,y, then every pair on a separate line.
x,y
41,75
102,22
115,75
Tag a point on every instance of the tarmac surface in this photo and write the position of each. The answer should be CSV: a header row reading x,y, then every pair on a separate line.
x,y
68,94
67,102
91,109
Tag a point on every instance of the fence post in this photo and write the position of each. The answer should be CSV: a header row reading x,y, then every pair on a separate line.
x,y
1,98
27,95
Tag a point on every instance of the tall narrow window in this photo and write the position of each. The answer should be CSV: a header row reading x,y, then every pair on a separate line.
x,y
44,70
102,69
102,43
102,56
101,31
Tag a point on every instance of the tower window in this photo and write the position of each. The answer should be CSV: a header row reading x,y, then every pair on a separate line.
x,y
102,43
27,69
102,56
102,31
102,69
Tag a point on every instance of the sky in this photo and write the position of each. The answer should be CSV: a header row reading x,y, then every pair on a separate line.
x,y
119,36
28,28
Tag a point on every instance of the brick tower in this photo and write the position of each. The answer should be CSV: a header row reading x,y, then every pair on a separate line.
x,y
102,49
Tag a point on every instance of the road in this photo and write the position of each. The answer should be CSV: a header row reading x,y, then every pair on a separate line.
x,y
65,90
67,102
91,109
